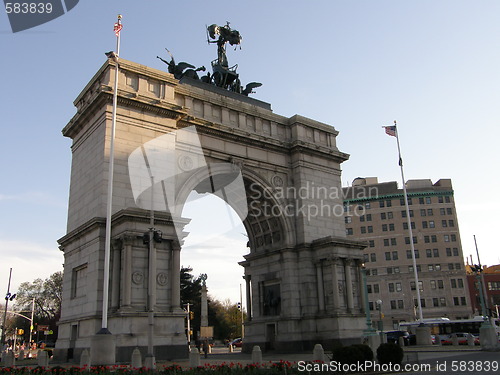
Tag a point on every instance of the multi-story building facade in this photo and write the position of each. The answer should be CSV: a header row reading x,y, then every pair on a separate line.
x,y
375,213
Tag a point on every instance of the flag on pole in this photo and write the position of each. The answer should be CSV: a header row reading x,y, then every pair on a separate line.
x,y
118,26
390,130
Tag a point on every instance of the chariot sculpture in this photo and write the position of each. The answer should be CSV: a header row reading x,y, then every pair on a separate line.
x,y
223,75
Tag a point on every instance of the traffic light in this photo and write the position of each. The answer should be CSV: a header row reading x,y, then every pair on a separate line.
x,y
20,331
239,305
191,315
157,236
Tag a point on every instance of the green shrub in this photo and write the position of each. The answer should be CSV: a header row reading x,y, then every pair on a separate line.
x,y
390,353
366,351
348,354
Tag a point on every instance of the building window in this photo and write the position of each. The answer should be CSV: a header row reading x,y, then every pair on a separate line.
x,y
421,200
376,288
391,288
424,224
79,281
390,215
391,227
407,240
442,301
384,227
388,203
432,224
448,251
453,283
373,257
440,199
437,267
408,254
435,252
460,283
442,211
348,219
430,212
381,204
363,230
446,238
433,284
440,284
362,218
430,267
366,258
444,223
451,266
434,238
447,199
369,217
386,242
367,205
371,243
455,251
463,301
399,288
435,302
453,238
349,231
383,216
393,241
423,212
449,211
387,255
410,268
428,253
494,285
420,285
456,301
451,223
394,255
428,200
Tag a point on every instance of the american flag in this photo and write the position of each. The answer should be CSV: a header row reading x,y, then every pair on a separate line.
x,y
118,28
390,130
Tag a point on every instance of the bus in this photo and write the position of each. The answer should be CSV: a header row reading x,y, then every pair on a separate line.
x,y
445,326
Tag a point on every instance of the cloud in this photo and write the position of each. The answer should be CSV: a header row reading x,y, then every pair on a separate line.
x,y
34,198
28,260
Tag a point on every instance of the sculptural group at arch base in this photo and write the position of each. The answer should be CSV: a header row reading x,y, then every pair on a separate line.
x,y
302,275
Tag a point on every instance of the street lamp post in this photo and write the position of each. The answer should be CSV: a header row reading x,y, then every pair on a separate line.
x,y
8,297
381,322
370,333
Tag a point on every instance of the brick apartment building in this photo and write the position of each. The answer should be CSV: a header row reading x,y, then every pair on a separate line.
x,y
375,213
492,287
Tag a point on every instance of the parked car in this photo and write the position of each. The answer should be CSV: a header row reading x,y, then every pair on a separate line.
x,y
237,343
393,336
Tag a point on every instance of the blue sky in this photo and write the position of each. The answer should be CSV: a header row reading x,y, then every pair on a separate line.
x,y
432,65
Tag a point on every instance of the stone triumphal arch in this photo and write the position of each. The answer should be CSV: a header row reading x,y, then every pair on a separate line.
x,y
280,174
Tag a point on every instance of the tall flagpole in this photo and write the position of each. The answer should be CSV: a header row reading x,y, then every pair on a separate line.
x,y
107,246
410,231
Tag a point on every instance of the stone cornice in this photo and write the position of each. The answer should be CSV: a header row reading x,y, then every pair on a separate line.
x,y
122,216
125,98
338,242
